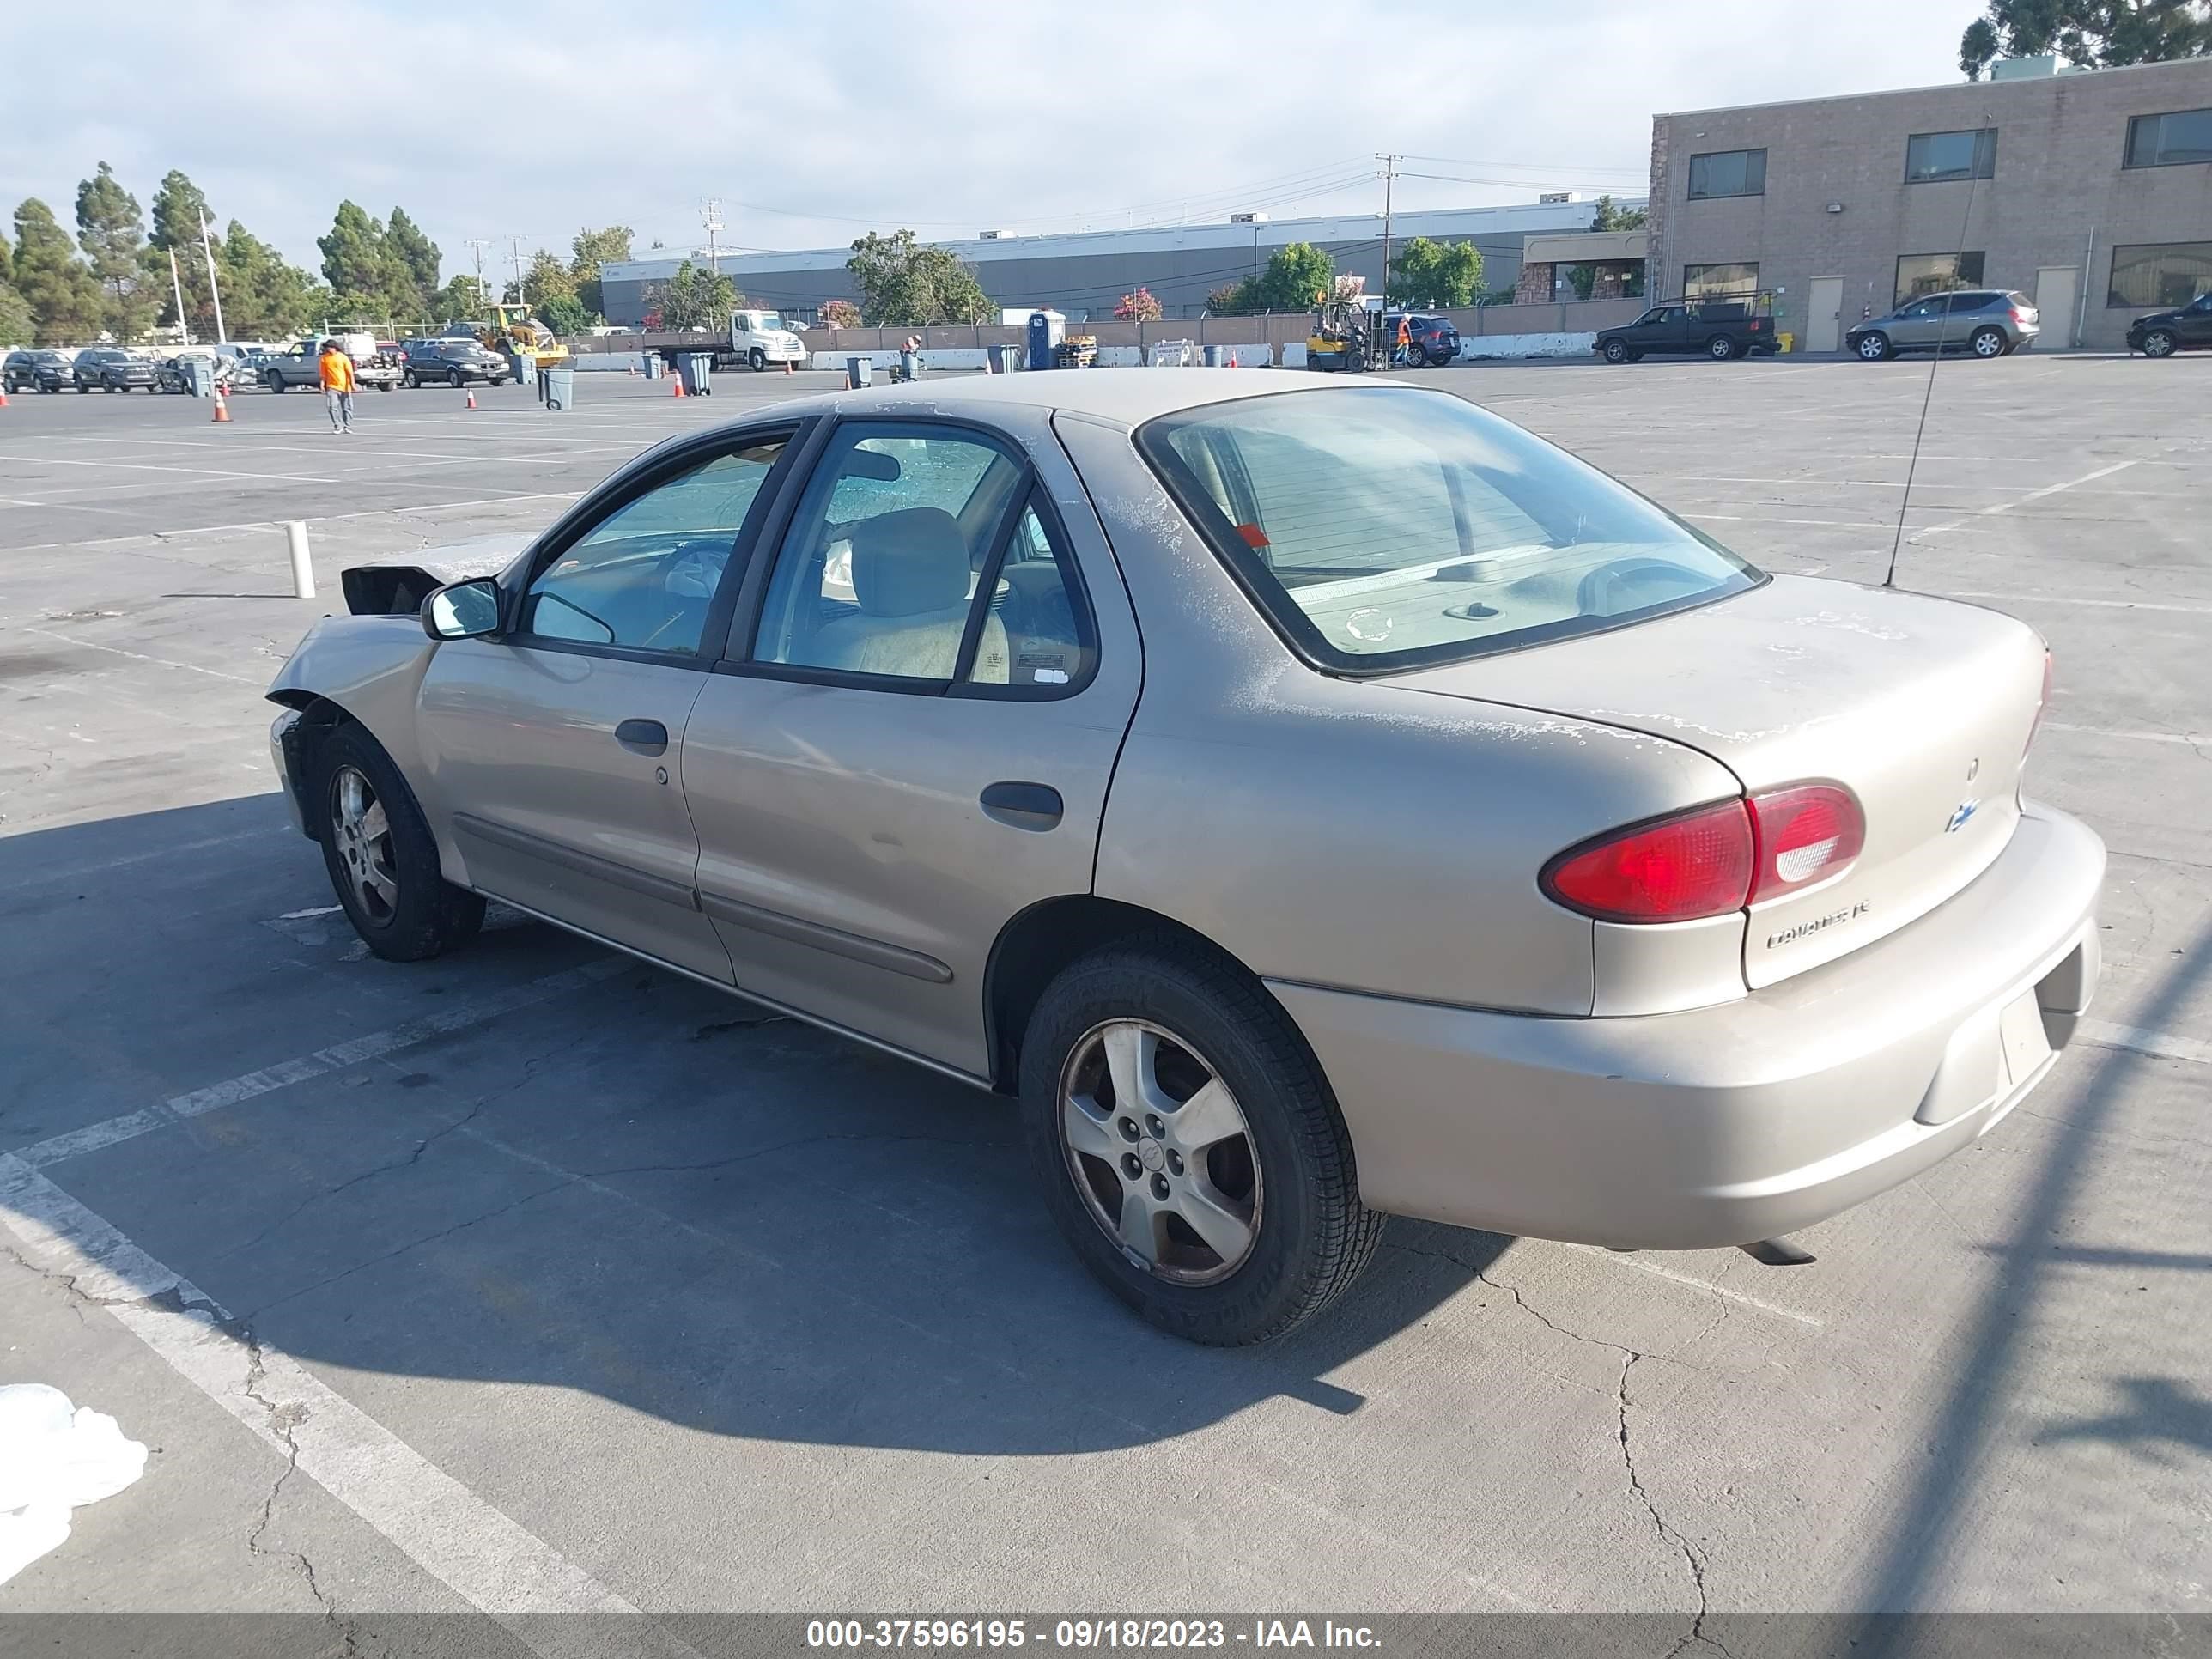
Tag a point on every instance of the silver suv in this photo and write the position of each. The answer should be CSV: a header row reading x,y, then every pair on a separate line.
x,y
1986,322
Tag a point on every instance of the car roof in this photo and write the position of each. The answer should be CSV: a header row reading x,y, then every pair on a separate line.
x,y
1124,397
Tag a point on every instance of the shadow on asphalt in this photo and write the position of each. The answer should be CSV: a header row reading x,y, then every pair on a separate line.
x,y
644,1188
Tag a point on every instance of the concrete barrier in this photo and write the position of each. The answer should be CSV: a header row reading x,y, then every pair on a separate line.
x,y
606,363
932,357
1525,345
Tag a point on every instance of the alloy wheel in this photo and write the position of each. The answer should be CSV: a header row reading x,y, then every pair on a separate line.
x,y
361,834
2158,343
1160,1152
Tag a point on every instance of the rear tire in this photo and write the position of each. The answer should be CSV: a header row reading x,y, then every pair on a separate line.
x,y
1989,344
1279,1190
382,859
1721,349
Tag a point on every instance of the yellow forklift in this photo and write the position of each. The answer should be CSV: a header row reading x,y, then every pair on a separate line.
x,y
1347,335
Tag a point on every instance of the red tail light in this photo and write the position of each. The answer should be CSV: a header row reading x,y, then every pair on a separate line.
x,y
1712,859
1694,864
1805,835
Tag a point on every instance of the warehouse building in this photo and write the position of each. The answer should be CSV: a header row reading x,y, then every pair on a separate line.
x,y
1085,274
2090,190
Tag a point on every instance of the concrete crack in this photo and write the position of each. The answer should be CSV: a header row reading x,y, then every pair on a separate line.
x,y
1695,1637
284,1421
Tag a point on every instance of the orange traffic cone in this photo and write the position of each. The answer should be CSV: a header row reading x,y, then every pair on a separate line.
x,y
4,394
677,384
221,407
472,396
786,369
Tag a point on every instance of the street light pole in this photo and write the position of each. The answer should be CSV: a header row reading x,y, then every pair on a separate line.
x,y
214,292
177,288
1389,177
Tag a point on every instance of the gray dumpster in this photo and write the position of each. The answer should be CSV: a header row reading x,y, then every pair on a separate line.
x,y
654,367
1213,358
859,371
200,374
697,368
1006,359
523,369
560,387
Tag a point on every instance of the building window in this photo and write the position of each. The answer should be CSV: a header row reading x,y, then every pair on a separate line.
x,y
1732,282
2163,275
1921,274
1931,156
2168,141
1728,172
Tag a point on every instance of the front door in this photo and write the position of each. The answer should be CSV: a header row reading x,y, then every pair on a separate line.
x,y
553,753
1824,314
1919,323
2058,292
913,743
2196,328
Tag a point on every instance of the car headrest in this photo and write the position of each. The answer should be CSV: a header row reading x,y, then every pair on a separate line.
x,y
909,561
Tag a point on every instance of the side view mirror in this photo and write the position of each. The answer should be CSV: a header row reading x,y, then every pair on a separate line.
x,y
463,611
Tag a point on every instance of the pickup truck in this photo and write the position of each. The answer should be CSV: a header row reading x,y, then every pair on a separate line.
x,y
298,365
1719,329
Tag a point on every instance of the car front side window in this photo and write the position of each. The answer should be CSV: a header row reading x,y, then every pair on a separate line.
x,y
644,577
879,572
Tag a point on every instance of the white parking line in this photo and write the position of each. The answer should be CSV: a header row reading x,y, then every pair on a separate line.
x,y
2166,1045
1619,1259
110,1132
145,466
477,1551
138,656
2070,598
2191,739
2032,496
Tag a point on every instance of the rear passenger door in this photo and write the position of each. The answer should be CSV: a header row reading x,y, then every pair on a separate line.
x,y
911,739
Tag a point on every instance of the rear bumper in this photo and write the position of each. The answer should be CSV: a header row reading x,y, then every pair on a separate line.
x,y
1736,1122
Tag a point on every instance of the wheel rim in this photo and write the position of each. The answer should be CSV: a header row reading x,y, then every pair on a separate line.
x,y
361,834
1870,347
1160,1152
1989,344
1721,349
1615,352
2157,345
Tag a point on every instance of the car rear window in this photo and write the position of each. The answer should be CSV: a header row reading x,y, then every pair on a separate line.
x,y
1387,527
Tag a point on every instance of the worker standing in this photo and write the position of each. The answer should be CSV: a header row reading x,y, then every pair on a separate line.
x,y
337,386
1405,339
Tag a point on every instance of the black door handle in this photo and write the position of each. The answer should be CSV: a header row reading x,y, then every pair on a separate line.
x,y
647,737
1023,806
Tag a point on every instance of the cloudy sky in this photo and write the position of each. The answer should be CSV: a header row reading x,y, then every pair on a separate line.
x,y
943,117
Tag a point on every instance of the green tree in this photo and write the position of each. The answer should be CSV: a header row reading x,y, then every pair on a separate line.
x,y
370,280
904,283
591,249
1232,299
463,298
415,253
65,297
178,209
113,237
1297,275
263,297
548,278
840,314
1430,273
2089,34
564,313
695,299
17,326
1609,215
6,258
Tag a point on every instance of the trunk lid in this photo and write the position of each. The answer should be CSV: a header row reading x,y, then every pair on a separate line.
x,y
1922,708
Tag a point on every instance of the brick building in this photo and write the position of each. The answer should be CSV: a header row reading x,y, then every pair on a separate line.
x,y
2090,190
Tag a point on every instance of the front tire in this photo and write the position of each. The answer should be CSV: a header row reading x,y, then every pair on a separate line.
x,y
413,382
2160,342
1190,1150
1616,351
382,859
455,379
1875,348
757,360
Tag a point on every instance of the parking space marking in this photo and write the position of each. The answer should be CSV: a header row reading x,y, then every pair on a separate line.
x,y
475,1549
2032,496
2194,740
1620,1259
138,656
2070,598
147,466
76,1143
2166,1045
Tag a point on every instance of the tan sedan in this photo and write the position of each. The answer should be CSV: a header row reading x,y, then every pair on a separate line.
x,y
1312,801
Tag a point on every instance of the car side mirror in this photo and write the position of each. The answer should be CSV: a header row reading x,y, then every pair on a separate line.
x,y
463,611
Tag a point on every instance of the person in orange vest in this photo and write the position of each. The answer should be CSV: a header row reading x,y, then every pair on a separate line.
x,y
337,386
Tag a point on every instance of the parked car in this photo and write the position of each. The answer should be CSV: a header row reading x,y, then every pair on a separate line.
x,y
455,362
1310,804
48,371
1435,340
1720,329
2164,332
1985,322
110,368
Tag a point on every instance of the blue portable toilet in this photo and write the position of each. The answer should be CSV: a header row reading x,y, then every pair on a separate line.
x,y
1047,329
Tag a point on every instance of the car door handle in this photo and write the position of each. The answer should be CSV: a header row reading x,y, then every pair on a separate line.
x,y
1023,806
647,737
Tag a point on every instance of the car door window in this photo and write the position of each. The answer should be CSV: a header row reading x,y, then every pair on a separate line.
x,y
1037,636
878,572
644,576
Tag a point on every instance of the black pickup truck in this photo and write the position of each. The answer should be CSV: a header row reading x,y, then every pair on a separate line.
x,y
1719,329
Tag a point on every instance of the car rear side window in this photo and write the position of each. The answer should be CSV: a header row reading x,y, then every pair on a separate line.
x,y
1386,527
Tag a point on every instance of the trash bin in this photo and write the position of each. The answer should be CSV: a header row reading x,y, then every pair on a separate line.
x,y
697,368
859,371
1006,359
1213,356
559,385
910,365
202,377
654,367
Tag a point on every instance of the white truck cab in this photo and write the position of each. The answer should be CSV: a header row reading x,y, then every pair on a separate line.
x,y
759,338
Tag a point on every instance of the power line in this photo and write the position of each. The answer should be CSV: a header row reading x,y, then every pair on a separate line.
x,y
1526,166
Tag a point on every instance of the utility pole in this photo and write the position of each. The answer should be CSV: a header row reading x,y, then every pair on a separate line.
x,y
710,215
480,243
207,249
176,288
1389,177
514,253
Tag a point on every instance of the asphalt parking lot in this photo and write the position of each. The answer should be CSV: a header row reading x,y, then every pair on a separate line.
x,y
570,1285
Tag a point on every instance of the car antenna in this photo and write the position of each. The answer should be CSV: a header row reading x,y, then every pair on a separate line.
x,y
1927,397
